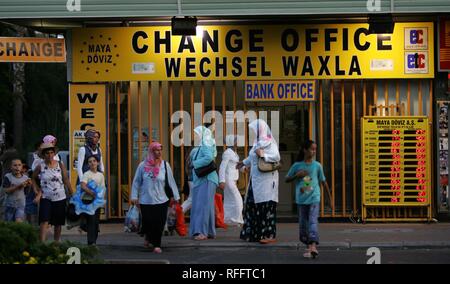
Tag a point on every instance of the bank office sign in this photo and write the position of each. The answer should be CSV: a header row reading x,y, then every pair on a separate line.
x,y
279,91
253,52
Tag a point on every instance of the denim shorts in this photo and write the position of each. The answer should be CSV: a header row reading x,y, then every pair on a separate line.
x,y
14,213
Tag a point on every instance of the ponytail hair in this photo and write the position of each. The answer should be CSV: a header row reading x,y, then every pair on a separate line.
x,y
301,152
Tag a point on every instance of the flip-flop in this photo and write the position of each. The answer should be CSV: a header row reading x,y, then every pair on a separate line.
x,y
314,253
267,241
200,238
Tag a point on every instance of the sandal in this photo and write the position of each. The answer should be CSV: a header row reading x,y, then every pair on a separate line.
x,y
314,253
267,241
200,237
307,253
157,250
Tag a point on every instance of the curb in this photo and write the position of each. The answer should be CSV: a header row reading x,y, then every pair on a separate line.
x,y
136,261
294,245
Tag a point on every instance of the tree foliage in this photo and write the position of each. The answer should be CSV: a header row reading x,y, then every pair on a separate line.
x,y
45,103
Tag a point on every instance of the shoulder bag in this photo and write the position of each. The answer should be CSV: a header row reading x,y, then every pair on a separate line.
x,y
167,188
264,166
206,170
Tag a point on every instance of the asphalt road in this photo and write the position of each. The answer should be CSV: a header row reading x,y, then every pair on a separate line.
x,y
273,256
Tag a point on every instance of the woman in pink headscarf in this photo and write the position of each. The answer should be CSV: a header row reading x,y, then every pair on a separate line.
x,y
149,194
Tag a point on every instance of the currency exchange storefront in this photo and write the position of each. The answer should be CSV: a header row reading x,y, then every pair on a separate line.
x,y
138,84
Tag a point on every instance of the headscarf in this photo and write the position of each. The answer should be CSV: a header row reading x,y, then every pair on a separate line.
x,y
49,139
151,164
230,140
206,138
264,138
89,134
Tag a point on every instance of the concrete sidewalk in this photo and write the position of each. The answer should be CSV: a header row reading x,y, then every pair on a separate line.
x,y
332,235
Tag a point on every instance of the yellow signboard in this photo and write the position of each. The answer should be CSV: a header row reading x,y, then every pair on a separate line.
x,y
87,105
396,161
276,52
32,49
279,91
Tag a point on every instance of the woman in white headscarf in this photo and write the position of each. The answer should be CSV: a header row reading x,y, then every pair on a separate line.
x,y
228,175
202,221
262,194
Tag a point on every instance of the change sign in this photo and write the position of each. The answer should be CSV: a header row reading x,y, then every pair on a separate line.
x,y
21,49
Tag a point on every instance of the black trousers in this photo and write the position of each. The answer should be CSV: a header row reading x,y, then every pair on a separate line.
x,y
153,221
92,226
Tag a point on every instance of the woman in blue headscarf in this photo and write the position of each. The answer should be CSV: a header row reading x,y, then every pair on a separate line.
x,y
202,224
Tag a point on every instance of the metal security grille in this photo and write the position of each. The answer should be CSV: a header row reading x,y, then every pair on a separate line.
x,y
341,105
333,121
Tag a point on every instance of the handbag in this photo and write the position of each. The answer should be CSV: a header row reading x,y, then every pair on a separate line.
x,y
167,188
264,166
205,170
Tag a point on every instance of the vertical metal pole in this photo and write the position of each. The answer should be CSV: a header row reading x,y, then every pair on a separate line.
x,y
332,149
343,148
110,91
321,144
397,98
420,98
408,99
130,143
310,115
160,90
119,155
386,98
149,106
213,104
191,93
234,109
139,121
171,126
224,110
202,97
364,99
375,97
182,147
354,144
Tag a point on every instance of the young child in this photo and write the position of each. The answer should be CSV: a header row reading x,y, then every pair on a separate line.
x,y
228,176
14,184
89,196
31,208
308,174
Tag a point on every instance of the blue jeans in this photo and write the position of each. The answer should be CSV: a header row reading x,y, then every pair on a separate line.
x,y
309,225
14,213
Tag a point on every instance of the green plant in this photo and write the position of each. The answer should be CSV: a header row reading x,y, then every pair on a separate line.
x,y
19,244
11,245
56,252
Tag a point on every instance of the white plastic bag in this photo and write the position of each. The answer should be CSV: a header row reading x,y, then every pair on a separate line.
x,y
171,220
132,220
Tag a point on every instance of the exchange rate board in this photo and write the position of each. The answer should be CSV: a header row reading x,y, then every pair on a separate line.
x,y
396,163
